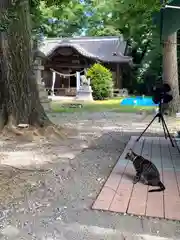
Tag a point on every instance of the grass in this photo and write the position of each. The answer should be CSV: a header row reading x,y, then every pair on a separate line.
x,y
112,105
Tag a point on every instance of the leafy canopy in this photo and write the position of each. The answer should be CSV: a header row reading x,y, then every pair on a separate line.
x,y
56,20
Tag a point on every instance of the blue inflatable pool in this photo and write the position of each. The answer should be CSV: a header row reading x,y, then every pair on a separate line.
x,y
138,101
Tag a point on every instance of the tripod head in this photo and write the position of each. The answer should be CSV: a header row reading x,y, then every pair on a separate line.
x,y
161,94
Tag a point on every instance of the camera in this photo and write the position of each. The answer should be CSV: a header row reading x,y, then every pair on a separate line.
x,y
161,94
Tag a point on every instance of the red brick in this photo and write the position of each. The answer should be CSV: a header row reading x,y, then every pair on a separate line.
x,y
119,168
155,204
170,183
169,176
172,207
113,181
108,192
171,196
178,180
121,198
119,194
128,175
104,199
138,199
100,205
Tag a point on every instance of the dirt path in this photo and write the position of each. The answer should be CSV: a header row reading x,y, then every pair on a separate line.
x,y
56,204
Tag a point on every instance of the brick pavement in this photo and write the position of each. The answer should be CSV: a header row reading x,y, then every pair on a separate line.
x,y
120,195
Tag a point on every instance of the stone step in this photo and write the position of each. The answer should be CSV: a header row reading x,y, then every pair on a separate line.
x,y
44,99
46,107
44,94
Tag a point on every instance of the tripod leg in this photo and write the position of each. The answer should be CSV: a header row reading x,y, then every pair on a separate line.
x,y
157,115
164,129
169,136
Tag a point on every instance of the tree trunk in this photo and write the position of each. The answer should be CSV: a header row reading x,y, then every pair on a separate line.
x,y
170,71
19,97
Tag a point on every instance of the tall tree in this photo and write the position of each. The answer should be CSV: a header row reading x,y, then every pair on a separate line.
x,y
19,95
170,24
170,70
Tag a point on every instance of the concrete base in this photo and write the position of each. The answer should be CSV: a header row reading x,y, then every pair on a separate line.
x,y
46,106
84,94
44,98
178,114
61,98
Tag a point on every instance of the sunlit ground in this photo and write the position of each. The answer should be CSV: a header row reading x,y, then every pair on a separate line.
x,y
98,106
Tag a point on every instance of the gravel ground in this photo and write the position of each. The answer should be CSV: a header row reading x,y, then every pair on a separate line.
x,y
57,204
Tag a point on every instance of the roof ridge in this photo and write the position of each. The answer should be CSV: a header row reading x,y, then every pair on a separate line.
x,y
99,48
84,38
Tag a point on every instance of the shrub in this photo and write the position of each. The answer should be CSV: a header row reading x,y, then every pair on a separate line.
x,y
101,81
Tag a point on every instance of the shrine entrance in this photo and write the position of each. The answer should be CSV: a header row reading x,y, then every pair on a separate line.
x,y
67,60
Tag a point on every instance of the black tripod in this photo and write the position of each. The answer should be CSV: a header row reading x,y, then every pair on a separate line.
x,y
160,117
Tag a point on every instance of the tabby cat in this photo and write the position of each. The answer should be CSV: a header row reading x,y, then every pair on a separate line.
x,y
146,171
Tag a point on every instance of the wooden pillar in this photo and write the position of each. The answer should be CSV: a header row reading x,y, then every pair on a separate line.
x,y
118,76
114,78
53,82
77,80
69,79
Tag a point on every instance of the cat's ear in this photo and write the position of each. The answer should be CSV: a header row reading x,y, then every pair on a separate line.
x,y
130,150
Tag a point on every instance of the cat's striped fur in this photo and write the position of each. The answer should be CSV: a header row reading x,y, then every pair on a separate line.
x,y
146,171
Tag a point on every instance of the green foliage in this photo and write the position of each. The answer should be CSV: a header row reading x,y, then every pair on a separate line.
x,y
41,11
101,81
99,18
59,20
132,18
143,37
118,17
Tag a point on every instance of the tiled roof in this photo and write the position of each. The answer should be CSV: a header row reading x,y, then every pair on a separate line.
x,y
104,49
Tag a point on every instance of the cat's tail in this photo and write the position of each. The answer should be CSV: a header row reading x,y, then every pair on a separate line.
x,y
162,188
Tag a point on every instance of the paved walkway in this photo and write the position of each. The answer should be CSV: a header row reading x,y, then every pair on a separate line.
x,y
120,195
